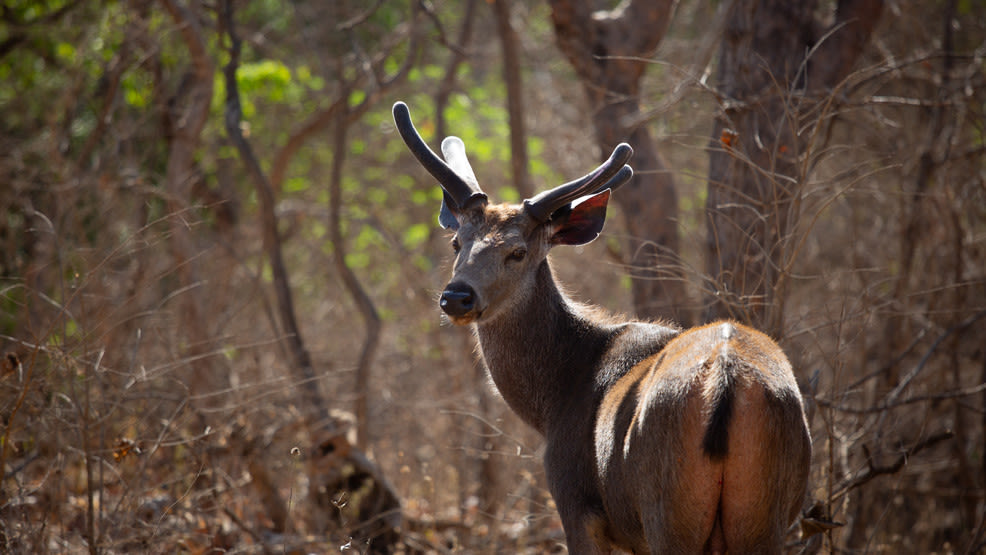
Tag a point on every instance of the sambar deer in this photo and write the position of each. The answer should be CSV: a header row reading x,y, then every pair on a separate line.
x,y
658,440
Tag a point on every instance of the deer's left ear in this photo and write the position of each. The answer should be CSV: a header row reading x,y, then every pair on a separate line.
x,y
447,218
581,221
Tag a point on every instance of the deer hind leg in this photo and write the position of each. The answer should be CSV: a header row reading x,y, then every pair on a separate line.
x,y
765,472
680,504
689,501
716,543
585,533
689,527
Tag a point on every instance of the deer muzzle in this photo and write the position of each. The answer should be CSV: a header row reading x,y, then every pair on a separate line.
x,y
459,302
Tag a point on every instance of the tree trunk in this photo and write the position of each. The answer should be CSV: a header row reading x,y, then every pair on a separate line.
x,y
515,99
769,76
301,362
188,110
458,56
608,51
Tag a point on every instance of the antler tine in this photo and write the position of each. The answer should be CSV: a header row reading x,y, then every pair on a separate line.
x,y
617,181
461,187
454,151
612,173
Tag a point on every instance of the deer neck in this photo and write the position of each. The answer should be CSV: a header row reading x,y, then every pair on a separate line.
x,y
541,354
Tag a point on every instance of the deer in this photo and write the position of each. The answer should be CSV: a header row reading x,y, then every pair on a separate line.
x,y
656,439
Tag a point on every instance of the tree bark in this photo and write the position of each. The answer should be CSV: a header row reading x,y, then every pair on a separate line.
x,y
188,110
771,72
447,84
608,51
519,162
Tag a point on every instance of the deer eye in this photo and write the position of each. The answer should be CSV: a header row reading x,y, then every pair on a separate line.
x,y
455,245
517,254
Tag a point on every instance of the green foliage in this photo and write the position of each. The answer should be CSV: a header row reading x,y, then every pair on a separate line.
x,y
265,82
49,55
310,81
357,260
296,184
266,78
29,12
483,125
416,235
137,89
12,301
427,197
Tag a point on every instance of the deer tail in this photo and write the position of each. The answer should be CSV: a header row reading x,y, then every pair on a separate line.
x,y
720,395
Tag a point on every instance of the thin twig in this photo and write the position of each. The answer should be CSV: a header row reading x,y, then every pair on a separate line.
x,y
873,470
954,394
358,19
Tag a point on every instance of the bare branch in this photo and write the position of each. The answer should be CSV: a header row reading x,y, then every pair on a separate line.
x,y
322,119
459,56
113,75
363,301
359,19
958,328
429,10
272,243
873,470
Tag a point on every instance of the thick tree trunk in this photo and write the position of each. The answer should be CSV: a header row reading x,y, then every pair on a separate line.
x,y
188,111
757,156
608,51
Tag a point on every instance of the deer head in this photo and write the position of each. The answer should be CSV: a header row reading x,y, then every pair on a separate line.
x,y
499,247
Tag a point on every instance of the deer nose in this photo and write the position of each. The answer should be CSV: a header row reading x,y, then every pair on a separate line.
x,y
458,299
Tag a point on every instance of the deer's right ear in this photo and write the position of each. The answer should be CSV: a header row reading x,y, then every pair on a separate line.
x,y
446,217
581,221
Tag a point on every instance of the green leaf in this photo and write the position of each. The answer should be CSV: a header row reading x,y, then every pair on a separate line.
x,y
65,51
356,97
423,198
137,89
266,79
357,260
296,184
416,235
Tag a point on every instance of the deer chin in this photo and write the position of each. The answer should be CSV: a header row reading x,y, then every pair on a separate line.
x,y
466,319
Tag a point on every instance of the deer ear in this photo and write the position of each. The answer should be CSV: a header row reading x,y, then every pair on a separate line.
x,y
581,221
446,217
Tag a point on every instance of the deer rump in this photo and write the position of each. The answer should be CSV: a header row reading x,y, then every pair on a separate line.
x,y
701,447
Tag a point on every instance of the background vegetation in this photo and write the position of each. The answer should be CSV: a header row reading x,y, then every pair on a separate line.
x,y
219,265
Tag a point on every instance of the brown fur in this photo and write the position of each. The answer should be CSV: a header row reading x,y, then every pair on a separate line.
x,y
658,440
